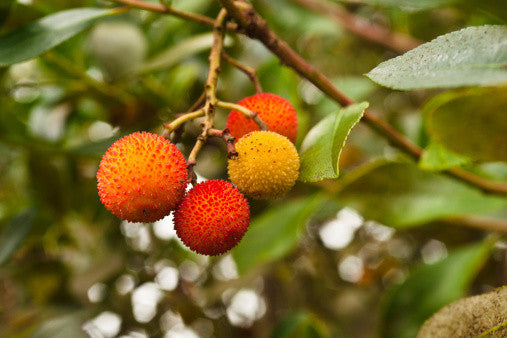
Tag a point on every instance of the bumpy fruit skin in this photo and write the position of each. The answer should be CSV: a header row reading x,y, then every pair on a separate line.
x,y
142,177
275,111
212,218
266,167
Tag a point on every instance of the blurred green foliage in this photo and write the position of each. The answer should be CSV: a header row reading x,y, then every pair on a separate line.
x,y
65,261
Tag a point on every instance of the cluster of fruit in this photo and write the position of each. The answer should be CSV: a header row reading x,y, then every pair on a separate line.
x,y
143,177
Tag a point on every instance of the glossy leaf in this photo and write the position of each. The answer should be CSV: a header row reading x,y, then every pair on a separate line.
x,y
400,195
471,56
428,288
321,149
300,325
15,233
470,122
275,233
437,157
41,35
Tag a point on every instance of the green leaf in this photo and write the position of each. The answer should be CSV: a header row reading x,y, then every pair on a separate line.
x,y
477,316
428,288
471,56
275,233
437,157
41,35
400,195
322,146
176,53
15,233
300,325
471,122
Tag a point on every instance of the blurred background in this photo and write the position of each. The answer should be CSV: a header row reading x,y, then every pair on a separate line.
x,y
322,262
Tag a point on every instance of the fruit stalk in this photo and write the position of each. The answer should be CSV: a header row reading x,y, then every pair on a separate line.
x,y
228,139
210,87
211,101
173,11
247,112
249,71
176,128
170,127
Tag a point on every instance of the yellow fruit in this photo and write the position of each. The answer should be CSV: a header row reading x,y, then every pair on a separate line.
x,y
267,165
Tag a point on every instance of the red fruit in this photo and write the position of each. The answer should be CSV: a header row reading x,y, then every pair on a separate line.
x,y
212,218
275,111
142,177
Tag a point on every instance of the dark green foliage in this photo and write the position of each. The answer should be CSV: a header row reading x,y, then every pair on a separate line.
x,y
77,75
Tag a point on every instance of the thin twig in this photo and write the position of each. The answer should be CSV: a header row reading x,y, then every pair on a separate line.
x,y
176,126
247,112
479,222
235,13
228,139
250,72
211,101
397,42
256,27
486,185
175,136
170,127
202,19
199,102
210,86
